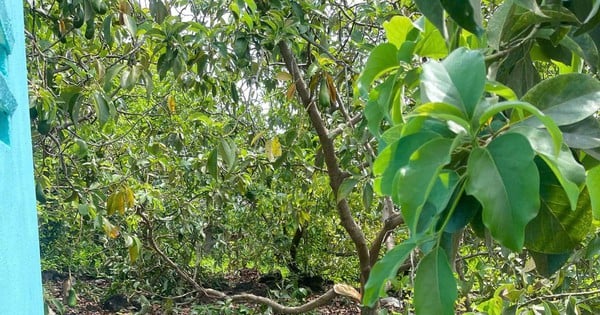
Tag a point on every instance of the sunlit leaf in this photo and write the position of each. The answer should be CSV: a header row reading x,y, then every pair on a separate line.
x,y
396,29
593,185
382,59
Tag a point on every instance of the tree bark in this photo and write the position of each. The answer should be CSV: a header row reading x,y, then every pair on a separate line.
x,y
336,176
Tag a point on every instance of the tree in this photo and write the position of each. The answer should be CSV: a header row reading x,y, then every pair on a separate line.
x,y
485,144
184,127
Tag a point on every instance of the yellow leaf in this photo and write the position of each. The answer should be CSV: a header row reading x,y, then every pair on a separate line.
x,y
171,104
290,92
273,149
276,147
110,230
129,197
119,202
283,76
331,88
110,208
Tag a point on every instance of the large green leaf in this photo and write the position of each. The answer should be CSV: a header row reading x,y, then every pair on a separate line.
x,y
434,12
431,43
570,174
415,180
557,229
497,24
384,270
381,60
505,180
435,286
381,100
466,13
443,189
396,29
584,134
459,80
467,71
593,185
566,98
395,156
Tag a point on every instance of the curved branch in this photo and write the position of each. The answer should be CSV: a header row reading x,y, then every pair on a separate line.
x,y
282,309
389,224
243,297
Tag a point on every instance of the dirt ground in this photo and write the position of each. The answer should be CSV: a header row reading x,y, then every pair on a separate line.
x,y
91,298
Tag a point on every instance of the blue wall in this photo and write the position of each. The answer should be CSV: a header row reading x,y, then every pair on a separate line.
x,y
20,279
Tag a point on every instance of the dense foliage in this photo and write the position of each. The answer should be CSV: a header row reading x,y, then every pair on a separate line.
x,y
179,140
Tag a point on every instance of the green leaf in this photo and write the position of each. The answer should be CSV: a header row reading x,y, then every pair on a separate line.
x,y
102,108
466,210
593,185
130,24
384,270
367,196
505,180
550,125
431,44
227,152
530,5
528,19
584,134
434,12
566,98
435,286
570,174
346,188
548,264
501,90
394,156
106,25
466,13
381,60
396,29
498,24
110,75
443,189
441,111
459,80
415,180
557,228
211,164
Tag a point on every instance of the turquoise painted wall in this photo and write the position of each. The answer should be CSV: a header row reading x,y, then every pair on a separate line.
x,y
20,278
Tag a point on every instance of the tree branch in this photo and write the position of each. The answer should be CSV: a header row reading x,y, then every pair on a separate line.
x,y
390,224
336,176
324,299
